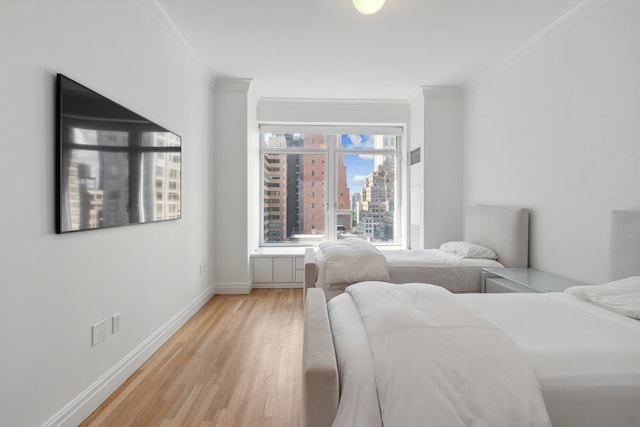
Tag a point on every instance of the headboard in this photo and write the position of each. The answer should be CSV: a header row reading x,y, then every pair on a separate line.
x,y
503,229
624,245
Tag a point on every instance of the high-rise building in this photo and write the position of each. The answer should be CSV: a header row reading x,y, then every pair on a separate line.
x,y
355,208
293,181
343,208
377,204
295,186
314,187
275,195
312,202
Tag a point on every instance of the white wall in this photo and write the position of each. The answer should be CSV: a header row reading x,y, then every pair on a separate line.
x,y
54,287
557,129
436,182
320,111
416,171
231,176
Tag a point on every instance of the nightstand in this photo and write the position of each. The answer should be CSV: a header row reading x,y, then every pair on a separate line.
x,y
495,280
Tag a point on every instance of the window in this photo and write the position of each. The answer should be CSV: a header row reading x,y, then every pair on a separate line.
x,y
330,184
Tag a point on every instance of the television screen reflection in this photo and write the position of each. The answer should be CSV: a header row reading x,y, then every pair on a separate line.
x,y
115,168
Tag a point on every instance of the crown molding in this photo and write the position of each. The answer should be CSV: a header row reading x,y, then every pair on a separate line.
x,y
231,84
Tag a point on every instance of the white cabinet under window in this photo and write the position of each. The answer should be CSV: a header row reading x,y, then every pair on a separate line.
x,y
262,269
299,270
283,269
273,271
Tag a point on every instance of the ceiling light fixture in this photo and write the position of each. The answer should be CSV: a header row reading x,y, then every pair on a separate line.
x,y
368,7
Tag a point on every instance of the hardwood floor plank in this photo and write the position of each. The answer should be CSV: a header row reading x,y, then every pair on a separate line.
x,y
237,362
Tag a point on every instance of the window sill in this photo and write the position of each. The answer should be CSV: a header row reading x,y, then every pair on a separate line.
x,y
299,250
280,250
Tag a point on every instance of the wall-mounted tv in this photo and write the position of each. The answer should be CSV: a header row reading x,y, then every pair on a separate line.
x,y
113,166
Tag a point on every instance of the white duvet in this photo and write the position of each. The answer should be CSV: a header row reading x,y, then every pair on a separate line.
x,y
586,358
419,257
433,258
343,262
413,355
352,260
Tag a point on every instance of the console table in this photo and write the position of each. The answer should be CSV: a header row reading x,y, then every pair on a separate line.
x,y
496,280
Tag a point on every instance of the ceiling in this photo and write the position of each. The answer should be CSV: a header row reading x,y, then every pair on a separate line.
x,y
326,49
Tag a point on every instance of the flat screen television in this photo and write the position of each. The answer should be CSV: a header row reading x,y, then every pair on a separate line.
x,y
113,166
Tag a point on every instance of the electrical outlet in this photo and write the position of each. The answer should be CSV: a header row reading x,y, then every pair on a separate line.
x,y
99,332
115,323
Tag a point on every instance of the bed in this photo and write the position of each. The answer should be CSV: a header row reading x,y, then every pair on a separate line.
x,y
584,354
504,231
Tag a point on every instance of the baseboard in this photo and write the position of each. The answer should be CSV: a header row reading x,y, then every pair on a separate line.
x,y
84,404
233,288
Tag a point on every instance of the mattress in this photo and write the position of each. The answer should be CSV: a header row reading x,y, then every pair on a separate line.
x,y
586,358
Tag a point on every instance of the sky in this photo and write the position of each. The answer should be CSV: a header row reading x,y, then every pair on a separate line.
x,y
358,166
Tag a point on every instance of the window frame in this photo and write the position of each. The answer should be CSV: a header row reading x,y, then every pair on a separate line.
x,y
332,151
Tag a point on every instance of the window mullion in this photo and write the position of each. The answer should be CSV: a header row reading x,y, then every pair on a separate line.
x,y
330,182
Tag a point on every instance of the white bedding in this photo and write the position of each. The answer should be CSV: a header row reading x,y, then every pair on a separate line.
x,y
433,266
432,359
348,261
357,380
587,359
437,267
620,296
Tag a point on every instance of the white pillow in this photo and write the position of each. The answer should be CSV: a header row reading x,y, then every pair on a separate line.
x,y
621,296
348,261
468,250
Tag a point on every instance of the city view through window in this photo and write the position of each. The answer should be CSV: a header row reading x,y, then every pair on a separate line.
x,y
329,186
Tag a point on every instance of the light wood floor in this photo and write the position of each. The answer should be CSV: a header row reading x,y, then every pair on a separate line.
x,y
237,362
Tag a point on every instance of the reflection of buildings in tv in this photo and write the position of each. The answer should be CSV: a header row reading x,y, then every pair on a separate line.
x,y
94,217
73,192
173,177
163,173
114,176
85,200
97,189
